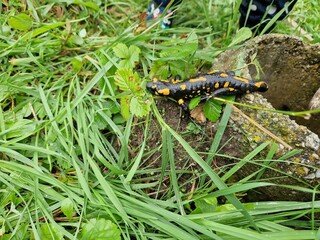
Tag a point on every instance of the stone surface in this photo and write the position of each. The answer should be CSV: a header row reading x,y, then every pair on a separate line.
x,y
292,70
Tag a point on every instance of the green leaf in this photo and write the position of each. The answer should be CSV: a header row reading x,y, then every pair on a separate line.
x,y
19,127
178,52
193,128
108,108
111,106
100,122
121,50
42,30
49,231
179,67
76,64
194,102
212,110
20,233
76,40
133,102
124,104
134,52
129,55
67,207
89,4
242,35
193,38
175,53
160,69
225,208
175,60
21,22
206,205
118,119
182,50
139,107
100,229
127,81
126,63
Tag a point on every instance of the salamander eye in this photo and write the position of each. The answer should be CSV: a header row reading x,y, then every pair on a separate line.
x,y
151,87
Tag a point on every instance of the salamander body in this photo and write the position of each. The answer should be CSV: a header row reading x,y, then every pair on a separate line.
x,y
208,85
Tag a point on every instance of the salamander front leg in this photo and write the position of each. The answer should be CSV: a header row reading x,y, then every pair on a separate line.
x,y
185,108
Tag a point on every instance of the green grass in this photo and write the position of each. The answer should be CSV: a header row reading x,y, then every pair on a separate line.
x,y
69,168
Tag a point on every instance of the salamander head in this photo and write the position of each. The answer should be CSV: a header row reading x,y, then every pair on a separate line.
x,y
261,86
158,88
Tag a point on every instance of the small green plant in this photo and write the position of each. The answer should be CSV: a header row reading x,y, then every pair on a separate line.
x,y
212,108
100,229
133,99
129,55
21,22
176,58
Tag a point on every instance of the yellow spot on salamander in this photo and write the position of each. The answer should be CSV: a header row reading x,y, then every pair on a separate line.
x,y
216,85
180,101
231,89
213,72
224,75
165,91
258,84
198,79
198,91
208,89
183,87
155,80
241,79
154,86
226,84
175,81
165,80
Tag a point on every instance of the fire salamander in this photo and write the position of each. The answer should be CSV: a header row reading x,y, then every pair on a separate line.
x,y
209,85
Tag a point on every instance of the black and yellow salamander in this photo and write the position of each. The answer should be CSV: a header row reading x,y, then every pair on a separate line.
x,y
209,85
